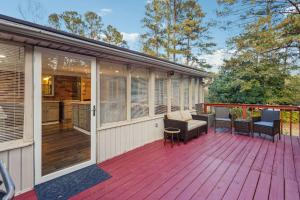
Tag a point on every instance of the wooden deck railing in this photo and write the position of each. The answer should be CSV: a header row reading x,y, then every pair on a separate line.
x,y
252,107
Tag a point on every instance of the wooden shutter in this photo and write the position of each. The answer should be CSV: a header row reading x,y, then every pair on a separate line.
x,y
11,92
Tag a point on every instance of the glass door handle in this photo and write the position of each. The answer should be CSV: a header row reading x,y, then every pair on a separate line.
x,y
94,110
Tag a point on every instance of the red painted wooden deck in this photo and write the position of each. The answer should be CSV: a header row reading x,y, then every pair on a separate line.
x,y
214,166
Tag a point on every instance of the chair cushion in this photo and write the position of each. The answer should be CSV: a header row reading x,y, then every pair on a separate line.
x,y
175,116
263,123
186,115
192,124
223,119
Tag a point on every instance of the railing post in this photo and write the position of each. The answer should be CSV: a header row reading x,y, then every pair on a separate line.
x,y
291,117
244,112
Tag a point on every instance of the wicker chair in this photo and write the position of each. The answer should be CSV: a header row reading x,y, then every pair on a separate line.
x,y
268,123
223,118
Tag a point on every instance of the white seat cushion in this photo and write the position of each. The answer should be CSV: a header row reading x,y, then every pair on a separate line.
x,y
192,124
186,115
175,116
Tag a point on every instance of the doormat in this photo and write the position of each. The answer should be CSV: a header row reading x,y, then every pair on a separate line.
x,y
71,184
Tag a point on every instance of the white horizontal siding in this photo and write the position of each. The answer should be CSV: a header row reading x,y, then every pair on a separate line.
x,y
19,163
118,140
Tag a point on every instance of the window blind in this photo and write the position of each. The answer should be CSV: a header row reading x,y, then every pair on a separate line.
x,y
161,98
139,93
12,67
175,94
113,91
193,93
186,93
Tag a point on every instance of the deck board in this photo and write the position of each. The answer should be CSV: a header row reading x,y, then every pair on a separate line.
x,y
213,166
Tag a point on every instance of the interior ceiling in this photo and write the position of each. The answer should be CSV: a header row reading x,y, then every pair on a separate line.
x,y
63,47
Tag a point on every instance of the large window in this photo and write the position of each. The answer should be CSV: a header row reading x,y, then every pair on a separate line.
x,y
12,67
113,104
139,93
186,93
175,93
161,98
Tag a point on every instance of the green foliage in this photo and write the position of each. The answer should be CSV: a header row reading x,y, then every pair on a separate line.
x,y
267,52
243,80
174,29
113,36
88,25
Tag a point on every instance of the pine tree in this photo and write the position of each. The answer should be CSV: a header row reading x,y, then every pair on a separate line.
x,y
113,36
175,30
194,33
153,21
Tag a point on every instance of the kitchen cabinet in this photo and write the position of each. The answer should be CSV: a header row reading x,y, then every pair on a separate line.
x,y
50,111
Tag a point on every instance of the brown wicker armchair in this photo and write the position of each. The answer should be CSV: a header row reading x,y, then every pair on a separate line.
x,y
268,123
223,118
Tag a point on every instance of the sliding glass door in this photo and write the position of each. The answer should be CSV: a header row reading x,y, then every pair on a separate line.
x,y
66,114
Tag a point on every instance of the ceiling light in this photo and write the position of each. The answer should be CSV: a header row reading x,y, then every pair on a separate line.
x,y
2,56
117,71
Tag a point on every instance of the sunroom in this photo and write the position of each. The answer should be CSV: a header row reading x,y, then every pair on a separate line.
x,y
67,102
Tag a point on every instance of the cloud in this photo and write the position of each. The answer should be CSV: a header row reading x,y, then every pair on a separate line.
x,y
216,58
105,11
130,37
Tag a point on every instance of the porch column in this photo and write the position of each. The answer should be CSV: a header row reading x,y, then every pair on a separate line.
x,y
129,93
28,95
151,93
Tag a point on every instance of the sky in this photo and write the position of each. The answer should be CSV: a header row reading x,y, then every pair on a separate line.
x,y
126,15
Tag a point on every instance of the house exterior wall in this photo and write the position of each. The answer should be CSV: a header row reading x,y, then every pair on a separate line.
x,y
111,141
20,164
115,141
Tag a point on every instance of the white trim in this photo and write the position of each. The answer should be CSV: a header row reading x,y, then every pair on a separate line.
x,y
125,123
38,118
13,144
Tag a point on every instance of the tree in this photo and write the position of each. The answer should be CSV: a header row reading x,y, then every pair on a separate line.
x,y
270,26
93,25
245,79
113,36
153,21
88,25
267,52
194,37
175,30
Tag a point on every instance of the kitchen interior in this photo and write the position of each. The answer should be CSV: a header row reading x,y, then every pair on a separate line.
x,y
66,96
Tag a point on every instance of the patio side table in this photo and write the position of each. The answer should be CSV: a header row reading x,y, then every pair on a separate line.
x,y
243,125
169,133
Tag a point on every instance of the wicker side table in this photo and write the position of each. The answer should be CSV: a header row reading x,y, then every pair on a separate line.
x,y
169,133
243,125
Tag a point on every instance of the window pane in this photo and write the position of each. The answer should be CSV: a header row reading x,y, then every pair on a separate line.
x,y
193,93
113,84
139,93
161,98
186,93
175,94
11,92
